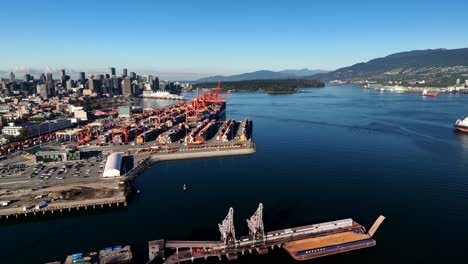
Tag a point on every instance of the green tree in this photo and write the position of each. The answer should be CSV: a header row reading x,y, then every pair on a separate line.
x,y
23,132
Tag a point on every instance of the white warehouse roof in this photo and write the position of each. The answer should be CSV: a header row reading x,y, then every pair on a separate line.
x,y
113,165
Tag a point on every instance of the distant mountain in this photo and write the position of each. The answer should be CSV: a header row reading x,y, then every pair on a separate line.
x,y
261,75
433,66
303,72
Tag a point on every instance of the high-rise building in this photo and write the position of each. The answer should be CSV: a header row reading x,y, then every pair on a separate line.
x,y
112,71
12,77
458,81
126,86
42,78
50,85
27,77
124,73
133,76
82,77
62,74
108,84
41,90
115,83
91,83
70,84
156,84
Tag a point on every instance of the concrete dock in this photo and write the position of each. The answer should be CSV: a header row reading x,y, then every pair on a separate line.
x,y
146,161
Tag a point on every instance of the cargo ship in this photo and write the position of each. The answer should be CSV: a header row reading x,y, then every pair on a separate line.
x,y
161,95
216,111
333,241
462,125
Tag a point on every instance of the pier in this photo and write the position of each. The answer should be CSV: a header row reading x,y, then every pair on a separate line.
x,y
323,239
64,208
225,150
302,243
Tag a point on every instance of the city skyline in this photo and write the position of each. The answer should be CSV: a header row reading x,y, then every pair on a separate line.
x,y
187,40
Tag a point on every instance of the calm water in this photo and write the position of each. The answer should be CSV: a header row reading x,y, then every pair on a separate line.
x,y
324,154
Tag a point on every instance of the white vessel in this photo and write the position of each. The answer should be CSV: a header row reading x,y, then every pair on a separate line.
x,y
462,124
161,95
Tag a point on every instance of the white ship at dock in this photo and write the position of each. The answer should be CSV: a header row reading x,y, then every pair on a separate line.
x,y
161,95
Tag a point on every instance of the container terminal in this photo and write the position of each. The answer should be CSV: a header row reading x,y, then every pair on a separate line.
x,y
93,166
302,243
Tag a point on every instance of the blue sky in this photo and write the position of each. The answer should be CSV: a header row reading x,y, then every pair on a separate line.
x,y
198,38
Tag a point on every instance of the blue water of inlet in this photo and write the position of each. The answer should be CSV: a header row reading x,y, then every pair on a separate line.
x,y
322,154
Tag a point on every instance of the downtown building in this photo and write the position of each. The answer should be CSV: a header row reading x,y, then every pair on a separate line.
x,y
35,129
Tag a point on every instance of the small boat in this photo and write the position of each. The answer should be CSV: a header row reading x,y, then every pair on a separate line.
x,y
425,93
184,187
462,125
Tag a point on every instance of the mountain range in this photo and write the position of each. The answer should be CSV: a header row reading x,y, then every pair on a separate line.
x,y
262,75
436,66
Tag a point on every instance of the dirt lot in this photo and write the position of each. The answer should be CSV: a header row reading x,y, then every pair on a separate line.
x,y
62,195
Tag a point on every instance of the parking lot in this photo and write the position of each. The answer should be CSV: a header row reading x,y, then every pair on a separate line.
x,y
28,175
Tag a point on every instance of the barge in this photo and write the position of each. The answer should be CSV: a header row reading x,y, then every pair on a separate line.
x,y
335,241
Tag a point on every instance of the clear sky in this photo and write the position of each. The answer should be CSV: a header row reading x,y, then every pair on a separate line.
x,y
197,38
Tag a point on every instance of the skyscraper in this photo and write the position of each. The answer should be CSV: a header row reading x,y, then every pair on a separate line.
x,y
82,77
126,86
41,90
91,83
133,76
63,78
12,77
62,74
156,84
50,85
115,83
27,77
124,74
112,71
70,84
